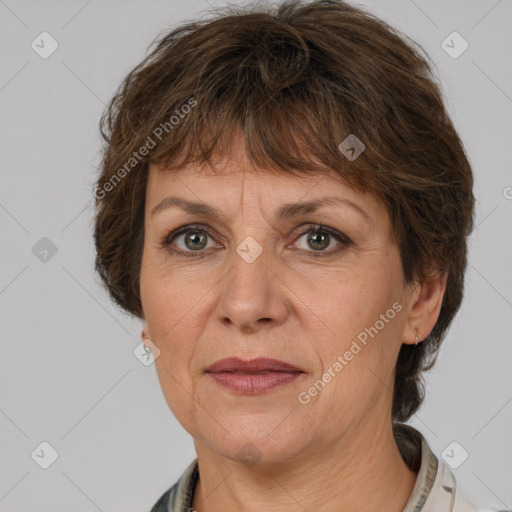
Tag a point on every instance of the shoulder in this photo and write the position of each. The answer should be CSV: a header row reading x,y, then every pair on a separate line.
x,y
446,493
436,489
162,505
179,497
459,498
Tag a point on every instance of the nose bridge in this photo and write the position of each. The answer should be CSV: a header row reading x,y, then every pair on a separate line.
x,y
251,294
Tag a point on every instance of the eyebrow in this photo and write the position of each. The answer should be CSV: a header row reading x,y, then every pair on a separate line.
x,y
286,211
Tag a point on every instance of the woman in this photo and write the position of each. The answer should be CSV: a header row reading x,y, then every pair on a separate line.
x,y
284,202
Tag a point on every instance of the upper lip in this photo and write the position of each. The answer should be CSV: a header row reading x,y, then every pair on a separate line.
x,y
261,364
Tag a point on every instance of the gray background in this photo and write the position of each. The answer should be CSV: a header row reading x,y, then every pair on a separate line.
x,y
68,375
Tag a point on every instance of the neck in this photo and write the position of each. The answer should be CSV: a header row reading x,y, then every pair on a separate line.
x,y
363,471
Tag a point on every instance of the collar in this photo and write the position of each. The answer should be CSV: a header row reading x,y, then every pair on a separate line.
x,y
419,457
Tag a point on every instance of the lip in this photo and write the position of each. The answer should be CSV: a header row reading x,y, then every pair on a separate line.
x,y
261,364
253,377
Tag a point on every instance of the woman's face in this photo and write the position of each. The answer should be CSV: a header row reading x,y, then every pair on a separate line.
x,y
252,284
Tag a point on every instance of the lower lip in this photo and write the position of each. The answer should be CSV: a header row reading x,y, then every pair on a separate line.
x,y
253,384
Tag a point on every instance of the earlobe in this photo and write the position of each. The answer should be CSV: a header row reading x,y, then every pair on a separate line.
x,y
426,307
144,333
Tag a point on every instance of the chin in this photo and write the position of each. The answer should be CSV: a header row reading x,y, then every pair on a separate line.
x,y
258,447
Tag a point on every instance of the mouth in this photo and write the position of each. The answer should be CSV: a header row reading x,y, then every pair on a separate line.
x,y
252,377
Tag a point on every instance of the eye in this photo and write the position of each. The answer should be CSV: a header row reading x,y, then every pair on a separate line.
x,y
193,239
320,237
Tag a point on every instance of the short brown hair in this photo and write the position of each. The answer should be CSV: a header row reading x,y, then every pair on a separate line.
x,y
296,80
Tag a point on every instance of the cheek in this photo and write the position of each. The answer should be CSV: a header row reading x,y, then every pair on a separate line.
x,y
177,307
361,321
167,298
163,310
172,321
346,305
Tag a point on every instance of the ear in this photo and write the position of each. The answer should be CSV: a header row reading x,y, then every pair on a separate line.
x,y
425,304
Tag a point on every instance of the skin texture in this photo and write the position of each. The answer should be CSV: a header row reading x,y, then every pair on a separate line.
x,y
336,452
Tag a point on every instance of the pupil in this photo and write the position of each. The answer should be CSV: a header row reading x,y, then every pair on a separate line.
x,y
195,238
312,238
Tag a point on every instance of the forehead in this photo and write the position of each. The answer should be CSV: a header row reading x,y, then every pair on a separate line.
x,y
233,175
234,166
237,177
230,189
234,178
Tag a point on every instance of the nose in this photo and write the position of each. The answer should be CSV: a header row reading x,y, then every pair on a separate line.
x,y
252,296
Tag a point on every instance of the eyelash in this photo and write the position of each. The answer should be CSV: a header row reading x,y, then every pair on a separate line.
x,y
320,228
